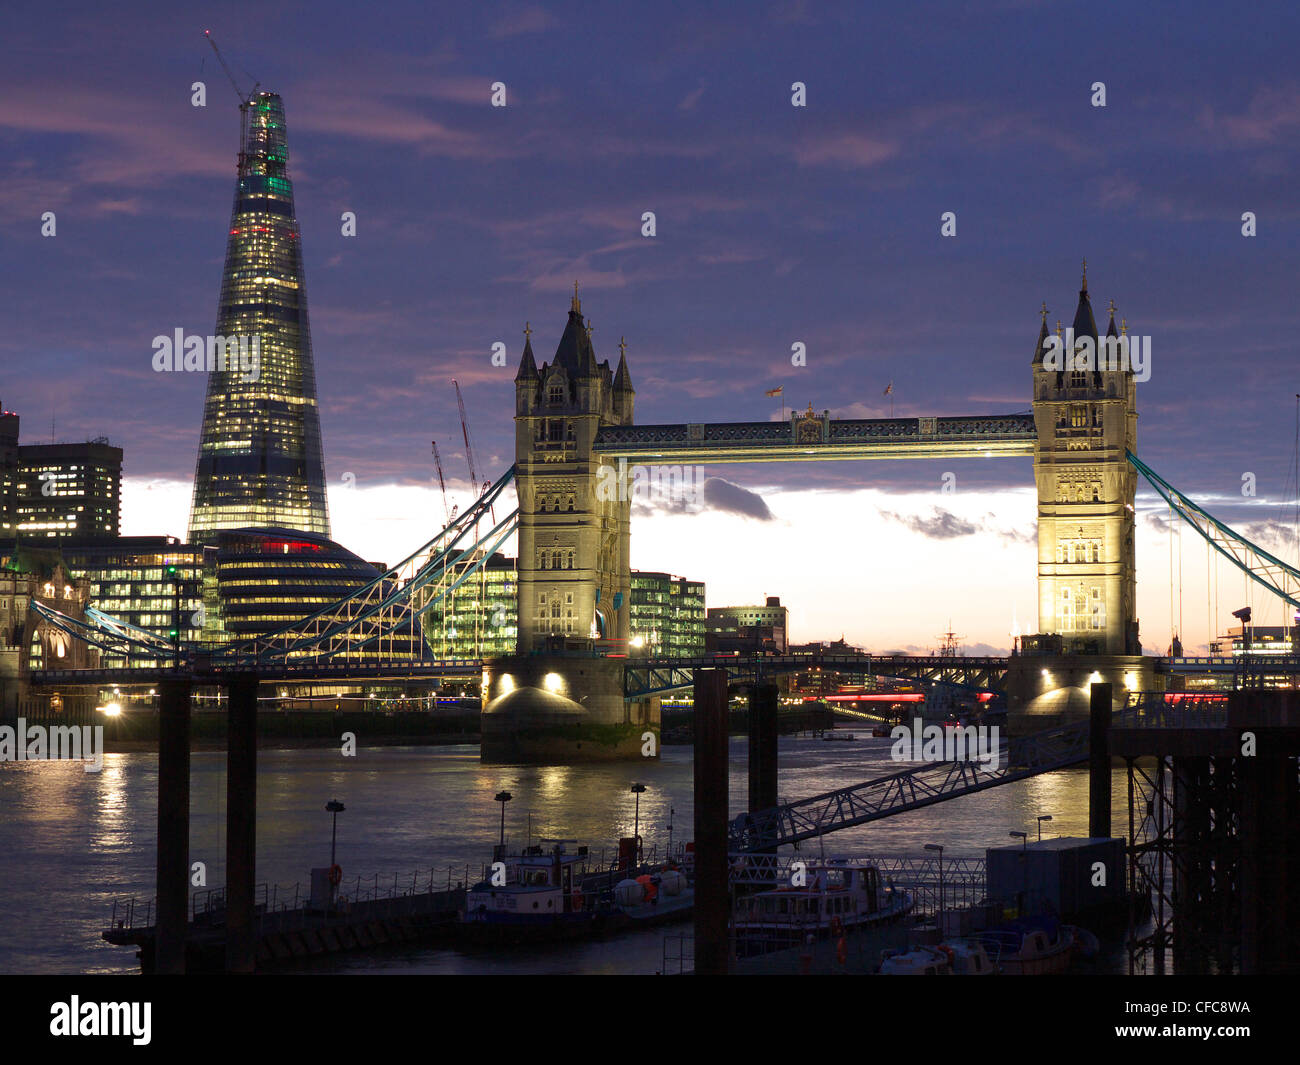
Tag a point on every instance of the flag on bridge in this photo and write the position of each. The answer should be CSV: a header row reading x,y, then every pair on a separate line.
x,y
890,388
775,391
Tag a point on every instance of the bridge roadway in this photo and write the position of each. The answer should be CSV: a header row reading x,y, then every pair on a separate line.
x,y
816,438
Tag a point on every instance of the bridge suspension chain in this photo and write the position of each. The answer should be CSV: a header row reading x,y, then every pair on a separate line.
x,y
1263,568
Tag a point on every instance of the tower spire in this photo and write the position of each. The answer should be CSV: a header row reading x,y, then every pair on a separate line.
x,y
576,305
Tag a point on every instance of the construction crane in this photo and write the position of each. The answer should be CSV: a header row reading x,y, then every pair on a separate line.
x,y
446,503
244,101
475,487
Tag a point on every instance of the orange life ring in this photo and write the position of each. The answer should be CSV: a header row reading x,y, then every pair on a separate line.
x,y
335,876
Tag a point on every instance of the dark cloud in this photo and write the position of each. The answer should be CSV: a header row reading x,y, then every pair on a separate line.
x,y
725,496
939,525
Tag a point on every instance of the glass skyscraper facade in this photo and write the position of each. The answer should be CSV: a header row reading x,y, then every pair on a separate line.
x,y
260,462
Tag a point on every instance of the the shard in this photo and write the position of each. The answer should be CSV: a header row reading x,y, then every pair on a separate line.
x,y
260,462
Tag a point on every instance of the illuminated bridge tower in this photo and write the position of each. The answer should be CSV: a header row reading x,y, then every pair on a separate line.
x,y
259,461
574,563
555,701
1086,418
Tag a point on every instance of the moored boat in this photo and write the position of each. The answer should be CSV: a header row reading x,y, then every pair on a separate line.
x,y
835,898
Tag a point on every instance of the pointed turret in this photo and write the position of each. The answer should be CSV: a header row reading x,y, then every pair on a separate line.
x,y
575,352
1039,349
1084,323
623,379
527,365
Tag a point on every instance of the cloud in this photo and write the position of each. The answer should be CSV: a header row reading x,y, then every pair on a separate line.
x,y
731,498
523,20
939,525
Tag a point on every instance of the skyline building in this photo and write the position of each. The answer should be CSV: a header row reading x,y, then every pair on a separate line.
x,y
260,461
57,491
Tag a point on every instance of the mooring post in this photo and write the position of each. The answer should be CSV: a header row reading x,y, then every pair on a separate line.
x,y
762,747
241,822
1099,715
172,883
711,896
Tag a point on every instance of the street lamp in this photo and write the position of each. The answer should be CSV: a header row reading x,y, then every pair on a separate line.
x,y
1023,837
637,789
1024,844
1041,819
503,797
937,847
334,807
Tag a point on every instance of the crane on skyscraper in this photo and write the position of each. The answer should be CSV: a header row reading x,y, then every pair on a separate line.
x,y
244,101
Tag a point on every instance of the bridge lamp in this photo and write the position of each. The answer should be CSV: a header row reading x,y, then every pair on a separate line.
x,y
553,682
1131,681
111,709
506,684
1041,819
1094,677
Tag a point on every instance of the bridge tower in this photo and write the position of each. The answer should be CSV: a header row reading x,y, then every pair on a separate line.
x,y
1085,411
574,564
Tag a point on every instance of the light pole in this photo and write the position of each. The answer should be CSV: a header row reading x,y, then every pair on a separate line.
x,y
940,917
1041,819
335,808
637,789
502,797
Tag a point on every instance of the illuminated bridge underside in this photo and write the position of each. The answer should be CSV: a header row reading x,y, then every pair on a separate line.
x,y
819,439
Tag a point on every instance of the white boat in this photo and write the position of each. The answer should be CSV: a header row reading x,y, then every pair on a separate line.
x,y
967,957
1029,947
837,897
920,961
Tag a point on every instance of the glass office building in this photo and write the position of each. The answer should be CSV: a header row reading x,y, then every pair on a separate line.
x,y
667,616
260,462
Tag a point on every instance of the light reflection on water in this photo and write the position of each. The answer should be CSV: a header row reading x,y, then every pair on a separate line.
x,y
70,841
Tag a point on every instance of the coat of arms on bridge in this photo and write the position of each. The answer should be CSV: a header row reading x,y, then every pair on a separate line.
x,y
810,428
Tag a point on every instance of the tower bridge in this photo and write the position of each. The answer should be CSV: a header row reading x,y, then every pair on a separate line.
x,y
575,433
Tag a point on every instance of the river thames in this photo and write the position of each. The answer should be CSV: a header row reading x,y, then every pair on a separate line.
x,y
73,841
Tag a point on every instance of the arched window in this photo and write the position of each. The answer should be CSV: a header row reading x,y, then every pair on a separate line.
x,y
555,560
571,501
555,394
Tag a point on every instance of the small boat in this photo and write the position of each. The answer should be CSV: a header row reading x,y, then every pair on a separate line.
x,y
1029,946
919,961
846,737
545,896
837,898
967,957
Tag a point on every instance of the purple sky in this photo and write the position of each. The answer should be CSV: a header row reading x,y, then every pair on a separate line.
x,y
776,224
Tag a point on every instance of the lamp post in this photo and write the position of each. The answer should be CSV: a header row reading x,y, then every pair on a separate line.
x,y
502,797
1041,819
637,789
334,807
939,919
